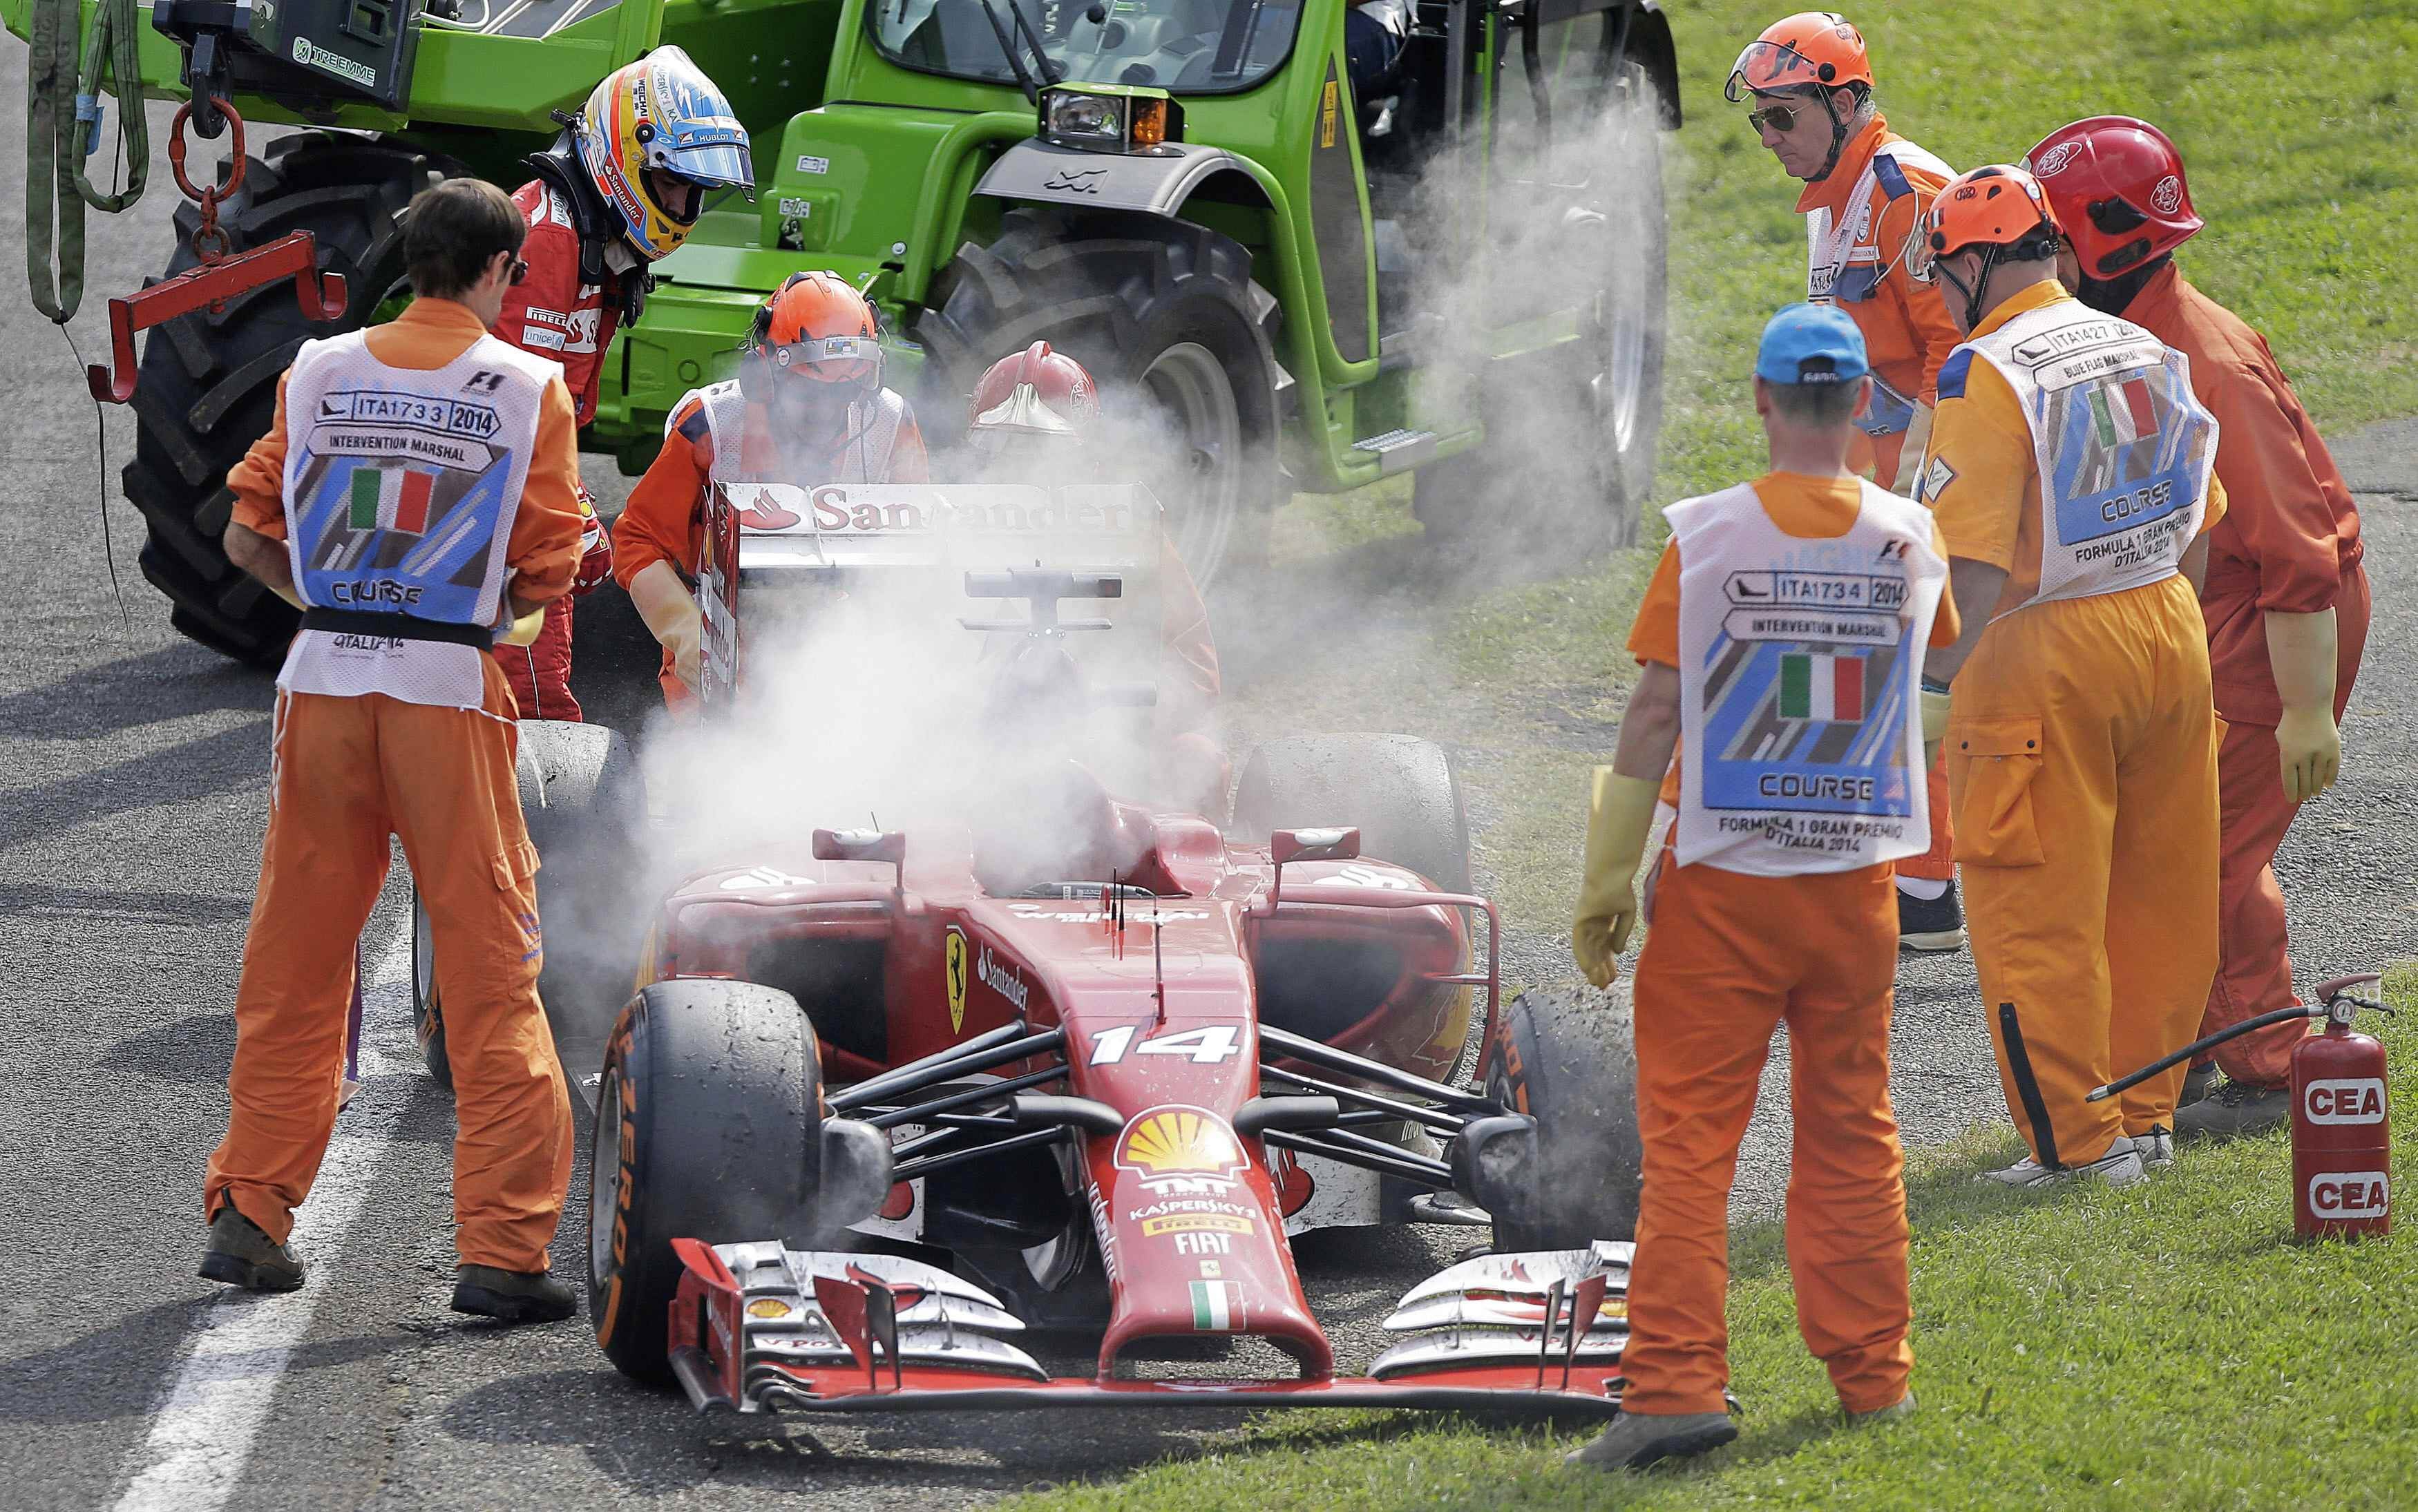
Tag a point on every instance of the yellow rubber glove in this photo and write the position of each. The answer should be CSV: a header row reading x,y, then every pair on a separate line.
x,y
665,603
2301,650
1910,459
1619,816
524,630
1934,725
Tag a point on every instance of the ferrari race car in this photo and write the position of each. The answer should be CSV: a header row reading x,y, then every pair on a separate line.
x,y
886,1099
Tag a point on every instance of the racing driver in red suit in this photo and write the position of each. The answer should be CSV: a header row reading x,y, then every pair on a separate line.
x,y
608,199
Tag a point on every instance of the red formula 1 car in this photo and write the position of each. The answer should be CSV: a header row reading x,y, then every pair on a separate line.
x,y
889,1097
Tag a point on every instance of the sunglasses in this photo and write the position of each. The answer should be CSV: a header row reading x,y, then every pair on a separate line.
x,y
1780,118
519,270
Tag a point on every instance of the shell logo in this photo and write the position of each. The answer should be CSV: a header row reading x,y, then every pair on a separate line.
x,y
1163,1141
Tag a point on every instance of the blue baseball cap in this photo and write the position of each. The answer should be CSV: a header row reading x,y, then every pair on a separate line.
x,y
1812,344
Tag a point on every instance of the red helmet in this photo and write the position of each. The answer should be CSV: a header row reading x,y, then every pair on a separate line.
x,y
1037,391
2117,185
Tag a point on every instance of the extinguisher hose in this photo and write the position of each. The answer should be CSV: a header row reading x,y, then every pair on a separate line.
x,y
2101,1094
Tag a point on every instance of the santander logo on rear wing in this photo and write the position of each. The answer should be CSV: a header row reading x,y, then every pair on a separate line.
x,y
776,539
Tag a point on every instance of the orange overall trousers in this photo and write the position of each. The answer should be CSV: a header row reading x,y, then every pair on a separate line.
x,y
345,773
1729,958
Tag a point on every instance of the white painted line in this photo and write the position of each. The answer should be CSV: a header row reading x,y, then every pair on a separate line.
x,y
228,1373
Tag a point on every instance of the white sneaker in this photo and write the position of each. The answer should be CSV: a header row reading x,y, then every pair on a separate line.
x,y
2119,1167
2156,1148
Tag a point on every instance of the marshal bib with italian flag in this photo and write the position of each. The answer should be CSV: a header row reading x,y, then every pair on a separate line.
x,y
1814,685
391,498
2124,413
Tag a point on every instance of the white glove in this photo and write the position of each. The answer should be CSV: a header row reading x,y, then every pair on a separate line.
x,y
665,603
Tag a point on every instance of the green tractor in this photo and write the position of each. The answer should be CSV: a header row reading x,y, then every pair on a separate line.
x,y
1461,276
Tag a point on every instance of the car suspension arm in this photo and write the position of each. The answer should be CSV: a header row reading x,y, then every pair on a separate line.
x,y
999,1046
1327,1058
1372,1154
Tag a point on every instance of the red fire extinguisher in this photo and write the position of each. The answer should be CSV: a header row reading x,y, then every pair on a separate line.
x,y
2342,1159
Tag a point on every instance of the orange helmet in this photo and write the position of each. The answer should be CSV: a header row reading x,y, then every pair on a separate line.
x,y
1037,391
1812,50
1997,207
817,329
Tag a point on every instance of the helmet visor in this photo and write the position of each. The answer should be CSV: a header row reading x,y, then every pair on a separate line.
x,y
1771,67
1023,412
850,360
706,154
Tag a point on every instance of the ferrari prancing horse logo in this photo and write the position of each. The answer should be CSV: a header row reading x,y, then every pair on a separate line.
x,y
956,962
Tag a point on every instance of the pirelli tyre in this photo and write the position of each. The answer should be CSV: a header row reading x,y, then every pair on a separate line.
x,y
583,798
1568,453
207,388
1399,791
1567,1056
1166,317
708,1127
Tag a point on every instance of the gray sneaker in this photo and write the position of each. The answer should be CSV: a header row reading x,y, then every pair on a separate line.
x,y
2198,1083
242,1255
2234,1109
2157,1147
1902,1407
2119,1167
1636,1439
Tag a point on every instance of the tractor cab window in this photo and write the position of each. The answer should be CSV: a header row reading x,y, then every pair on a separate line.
x,y
1201,47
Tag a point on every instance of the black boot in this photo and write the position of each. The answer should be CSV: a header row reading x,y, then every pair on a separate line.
x,y
242,1255
512,1296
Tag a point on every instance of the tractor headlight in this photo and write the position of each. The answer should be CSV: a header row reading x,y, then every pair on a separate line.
x,y
1097,118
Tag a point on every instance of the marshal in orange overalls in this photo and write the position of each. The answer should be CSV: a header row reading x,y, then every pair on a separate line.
x,y
2081,765
349,771
1718,975
2289,544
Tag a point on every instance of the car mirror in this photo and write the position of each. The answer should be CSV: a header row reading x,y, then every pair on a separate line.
x,y
861,845
1288,845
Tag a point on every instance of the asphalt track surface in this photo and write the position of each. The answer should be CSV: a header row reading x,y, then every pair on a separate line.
x,y
134,767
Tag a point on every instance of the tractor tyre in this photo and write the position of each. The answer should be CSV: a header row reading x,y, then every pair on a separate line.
x,y
1568,460
1166,317
583,798
1399,791
708,1127
1567,1056
207,384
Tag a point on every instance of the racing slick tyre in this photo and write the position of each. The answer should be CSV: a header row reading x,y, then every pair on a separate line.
x,y
1570,434
1567,1057
207,384
708,1127
582,796
1166,317
1399,790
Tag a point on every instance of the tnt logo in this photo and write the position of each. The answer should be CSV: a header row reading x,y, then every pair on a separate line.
x,y
2354,1100
2350,1194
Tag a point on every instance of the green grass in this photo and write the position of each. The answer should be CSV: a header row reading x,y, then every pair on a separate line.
x,y
2168,1346
2294,117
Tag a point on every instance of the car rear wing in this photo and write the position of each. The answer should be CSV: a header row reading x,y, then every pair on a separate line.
x,y
927,544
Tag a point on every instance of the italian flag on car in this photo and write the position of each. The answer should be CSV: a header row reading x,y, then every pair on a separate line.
x,y
1821,686
391,498
2126,418
1217,1308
